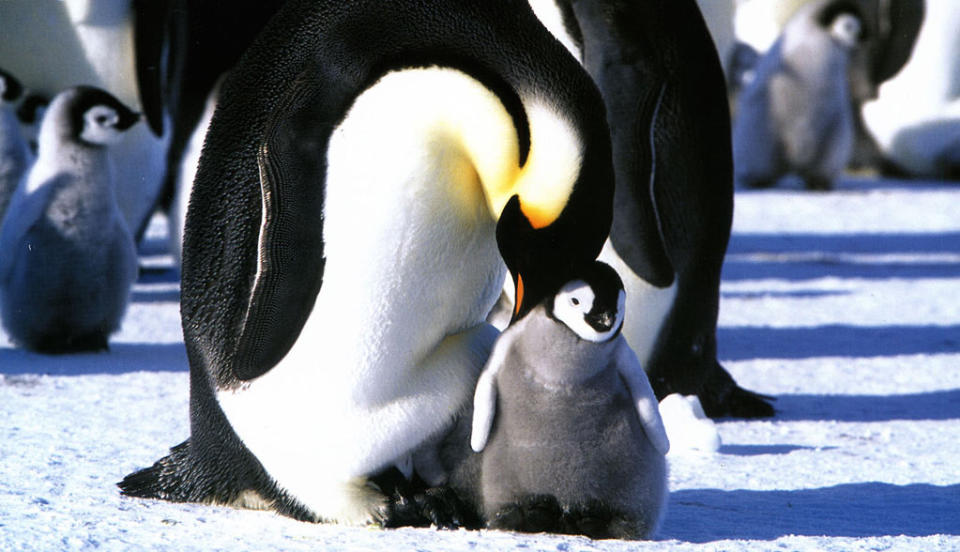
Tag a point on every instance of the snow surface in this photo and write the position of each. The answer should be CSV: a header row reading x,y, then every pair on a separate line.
x,y
843,305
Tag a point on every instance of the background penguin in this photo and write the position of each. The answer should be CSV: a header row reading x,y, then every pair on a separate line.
x,y
68,258
30,114
916,118
658,72
340,253
796,116
15,155
568,424
121,46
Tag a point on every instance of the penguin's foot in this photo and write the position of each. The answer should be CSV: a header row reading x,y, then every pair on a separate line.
x,y
415,504
531,514
544,514
66,344
721,397
818,183
597,521
755,183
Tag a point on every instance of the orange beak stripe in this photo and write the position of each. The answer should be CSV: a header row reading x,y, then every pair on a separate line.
x,y
519,297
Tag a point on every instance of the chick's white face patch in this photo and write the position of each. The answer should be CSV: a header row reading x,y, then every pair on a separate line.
x,y
100,125
572,306
846,29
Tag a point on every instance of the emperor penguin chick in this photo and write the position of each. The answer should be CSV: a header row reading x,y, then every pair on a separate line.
x,y
567,421
796,115
68,259
15,155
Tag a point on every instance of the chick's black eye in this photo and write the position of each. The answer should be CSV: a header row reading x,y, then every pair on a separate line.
x,y
101,119
574,301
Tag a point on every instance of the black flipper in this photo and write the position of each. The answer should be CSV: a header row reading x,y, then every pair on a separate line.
x,y
658,56
617,57
291,261
150,34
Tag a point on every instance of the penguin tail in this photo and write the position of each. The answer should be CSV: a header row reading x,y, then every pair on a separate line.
x,y
166,479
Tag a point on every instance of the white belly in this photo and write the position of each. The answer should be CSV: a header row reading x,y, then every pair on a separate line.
x,y
411,263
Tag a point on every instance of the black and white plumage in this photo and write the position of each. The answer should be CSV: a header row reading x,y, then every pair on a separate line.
x,y
363,165
658,71
67,259
15,156
796,115
568,425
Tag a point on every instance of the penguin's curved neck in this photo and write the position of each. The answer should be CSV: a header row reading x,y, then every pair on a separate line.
x,y
448,108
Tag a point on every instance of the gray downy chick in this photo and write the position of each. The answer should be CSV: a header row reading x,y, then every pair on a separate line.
x,y
567,422
67,258
796,115
15,157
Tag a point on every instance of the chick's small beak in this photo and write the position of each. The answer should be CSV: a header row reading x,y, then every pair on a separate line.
x,y
602,321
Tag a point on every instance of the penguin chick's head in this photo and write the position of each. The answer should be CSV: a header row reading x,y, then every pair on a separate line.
x,y
592,304
10,88
90,115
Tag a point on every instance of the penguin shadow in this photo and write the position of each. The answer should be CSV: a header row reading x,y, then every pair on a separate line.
x,y
799,257
764,450
835,340
933,405
124,358
856,510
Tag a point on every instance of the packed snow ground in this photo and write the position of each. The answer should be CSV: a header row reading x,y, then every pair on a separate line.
x,y
843,305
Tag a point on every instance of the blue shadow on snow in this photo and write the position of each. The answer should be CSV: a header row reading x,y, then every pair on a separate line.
x,y
932,405
851,510
123,358
835,340
826,261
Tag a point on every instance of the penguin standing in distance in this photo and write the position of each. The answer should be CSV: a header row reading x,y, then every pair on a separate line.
x,y
567,422
341,244
796,115
68,258
118,45
665,94
15,156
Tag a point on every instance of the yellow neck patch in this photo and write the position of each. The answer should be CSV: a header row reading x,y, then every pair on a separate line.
x,y
459,109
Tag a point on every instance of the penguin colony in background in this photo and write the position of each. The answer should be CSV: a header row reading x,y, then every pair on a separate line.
x,y
796,115
68,259
567,422
364,166
15,155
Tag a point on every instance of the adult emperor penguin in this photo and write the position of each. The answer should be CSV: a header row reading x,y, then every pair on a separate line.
x,y
567,422
68,258
658,71
340,251
796,115
15,155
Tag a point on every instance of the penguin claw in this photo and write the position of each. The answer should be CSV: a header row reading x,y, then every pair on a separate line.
x,y
414,504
